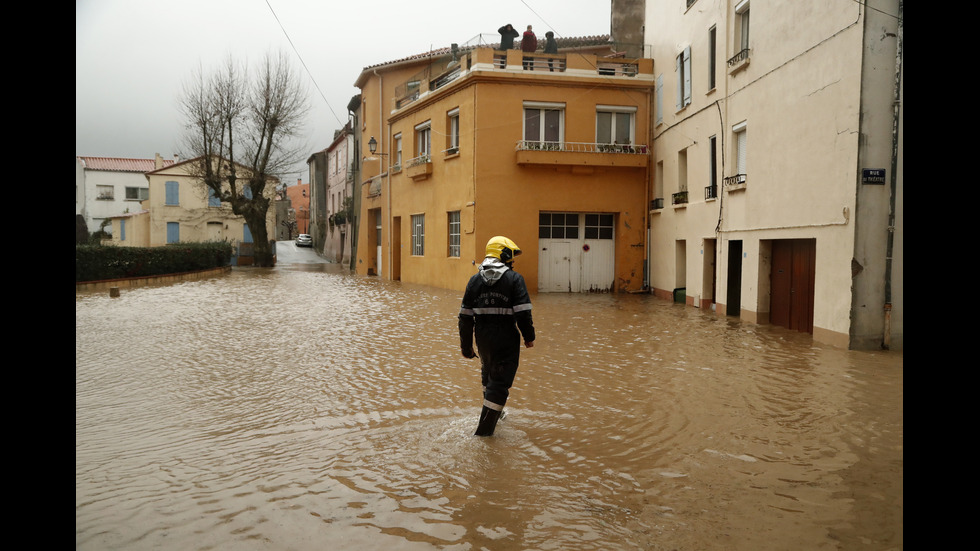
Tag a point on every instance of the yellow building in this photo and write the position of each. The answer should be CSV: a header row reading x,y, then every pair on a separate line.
x,y
181,209
459,146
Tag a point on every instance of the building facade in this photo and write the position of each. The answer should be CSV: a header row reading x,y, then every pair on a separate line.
x,y
111,186
459,146
777,168
332,173
181,209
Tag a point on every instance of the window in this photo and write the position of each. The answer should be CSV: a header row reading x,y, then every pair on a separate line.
x,y
712,35
711,191
104,193
557,225
173,193
544,122
137,193
122,229
418,235
740,148
423,140
742,25
454,234
453,132
247,191
614,124
683,69
598,226
658,97
213,200
173,232
682,170
398,151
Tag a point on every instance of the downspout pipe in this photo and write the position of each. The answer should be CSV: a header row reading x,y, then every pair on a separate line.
x,y
893,183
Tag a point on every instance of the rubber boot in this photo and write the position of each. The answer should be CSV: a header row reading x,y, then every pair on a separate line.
x,y
488,422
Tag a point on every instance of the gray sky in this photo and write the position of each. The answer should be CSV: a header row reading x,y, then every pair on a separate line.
x,y
132,56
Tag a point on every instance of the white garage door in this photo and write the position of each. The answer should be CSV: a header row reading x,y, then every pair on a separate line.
x,y
576,252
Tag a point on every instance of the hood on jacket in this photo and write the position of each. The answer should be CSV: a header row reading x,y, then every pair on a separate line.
x,y
492,270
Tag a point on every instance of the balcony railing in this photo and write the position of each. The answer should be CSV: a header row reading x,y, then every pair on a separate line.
x,y
678,198
710,192
580,147
738,58
657,204
735,182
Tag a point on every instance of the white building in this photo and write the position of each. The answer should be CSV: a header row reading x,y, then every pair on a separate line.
x,y
111,186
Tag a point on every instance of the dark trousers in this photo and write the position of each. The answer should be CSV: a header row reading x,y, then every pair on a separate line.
x,y
500,354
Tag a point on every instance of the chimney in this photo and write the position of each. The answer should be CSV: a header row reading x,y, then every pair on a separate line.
x,y
158,162
176,158
299,181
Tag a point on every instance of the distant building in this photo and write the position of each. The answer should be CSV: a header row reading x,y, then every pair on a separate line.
x,y
111,186
332,178
181,209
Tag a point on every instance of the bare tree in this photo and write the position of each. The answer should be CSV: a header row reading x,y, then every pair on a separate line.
x,y
242,132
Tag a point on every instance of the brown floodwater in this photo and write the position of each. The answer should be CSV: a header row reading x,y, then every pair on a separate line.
x,y
306,408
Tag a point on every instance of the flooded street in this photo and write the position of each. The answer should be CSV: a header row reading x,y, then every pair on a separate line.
x,y
305,408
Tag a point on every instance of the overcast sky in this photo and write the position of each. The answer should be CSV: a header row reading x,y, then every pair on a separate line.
x,y
132,56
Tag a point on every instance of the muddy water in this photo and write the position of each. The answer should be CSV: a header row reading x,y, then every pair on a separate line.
x,y
303,408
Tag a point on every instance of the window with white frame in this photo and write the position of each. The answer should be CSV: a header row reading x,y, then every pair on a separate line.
x,y
741,145
418,235
137,193
742,25
659,106
454,234
423,140
599,226
398,151
614,124
544,122
453,131
712,63
557,225
683,69
104,193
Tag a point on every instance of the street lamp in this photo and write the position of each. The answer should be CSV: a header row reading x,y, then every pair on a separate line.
x,y
373,147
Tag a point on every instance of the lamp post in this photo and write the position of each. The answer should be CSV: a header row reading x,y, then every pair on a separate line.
x,y
373,147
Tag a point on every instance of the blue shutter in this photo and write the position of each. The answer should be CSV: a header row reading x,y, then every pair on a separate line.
x,y
213,200
246,234
173,193
173,232
122,229
247,191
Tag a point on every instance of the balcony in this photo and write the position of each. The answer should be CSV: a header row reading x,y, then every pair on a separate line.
x,y
735,183
582,154
657,204
710,192
445,71
738,62
679,198
419,168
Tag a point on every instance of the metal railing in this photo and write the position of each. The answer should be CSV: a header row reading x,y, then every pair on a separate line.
x,y
711,192
735,180
738,58
678,198
657,203
582,147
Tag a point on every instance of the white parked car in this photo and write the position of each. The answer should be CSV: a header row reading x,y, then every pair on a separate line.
x,y
304,240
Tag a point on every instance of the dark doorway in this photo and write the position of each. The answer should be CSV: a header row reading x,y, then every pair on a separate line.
x,y
792,279
734,305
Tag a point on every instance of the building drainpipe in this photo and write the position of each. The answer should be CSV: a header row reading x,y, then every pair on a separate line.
x,y
886,338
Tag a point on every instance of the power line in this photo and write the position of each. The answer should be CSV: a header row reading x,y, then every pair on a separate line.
x,y
317,86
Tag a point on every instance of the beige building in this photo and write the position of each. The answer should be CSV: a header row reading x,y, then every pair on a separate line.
x,y
777,170
181,209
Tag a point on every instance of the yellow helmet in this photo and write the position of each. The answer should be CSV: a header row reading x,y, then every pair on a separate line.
x,y
502,248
